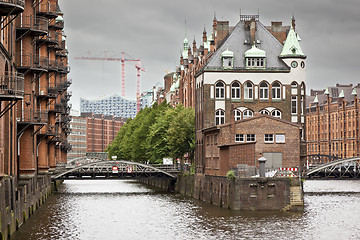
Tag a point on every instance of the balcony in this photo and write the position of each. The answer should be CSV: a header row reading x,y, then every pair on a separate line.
x,y
46,9
57,23
30,116
48,130
11,87
52,38
64,68
53,65
31,61
65,145
11,7
45,93
29,23
57,108
63,119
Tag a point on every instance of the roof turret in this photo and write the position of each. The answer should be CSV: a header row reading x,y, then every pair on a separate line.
x,y
291,46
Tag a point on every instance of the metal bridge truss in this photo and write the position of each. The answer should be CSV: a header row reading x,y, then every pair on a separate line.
x,y
118,169
341,168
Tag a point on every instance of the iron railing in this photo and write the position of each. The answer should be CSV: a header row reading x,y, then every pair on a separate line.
x,y
47,8
32,22
56,23
11,85
29,60
11,7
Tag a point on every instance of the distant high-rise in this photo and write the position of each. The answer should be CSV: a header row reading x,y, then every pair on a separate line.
x,y
114,105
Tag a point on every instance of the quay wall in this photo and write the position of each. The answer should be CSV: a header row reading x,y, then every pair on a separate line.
x,y
19,199
281,193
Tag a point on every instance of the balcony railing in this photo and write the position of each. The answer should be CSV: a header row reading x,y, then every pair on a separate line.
x,y
11,86
53,65
31,61
46,9
11,7
64,119
30,22
58,24
29,115
41,116
52,37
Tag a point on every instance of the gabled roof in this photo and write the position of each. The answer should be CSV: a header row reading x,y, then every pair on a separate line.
x,y
239,42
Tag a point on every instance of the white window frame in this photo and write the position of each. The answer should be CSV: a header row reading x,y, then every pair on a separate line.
x,y
219,90
235,91
250,137
280,138
264,111
248,114
294,105
263,91
276,91
248,90
269,138
219,117
239,137
276,113
237,115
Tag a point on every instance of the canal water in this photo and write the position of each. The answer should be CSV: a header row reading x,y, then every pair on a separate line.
x,y
116,209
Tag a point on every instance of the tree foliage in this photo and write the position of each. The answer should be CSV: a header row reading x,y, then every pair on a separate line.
x,y
155,133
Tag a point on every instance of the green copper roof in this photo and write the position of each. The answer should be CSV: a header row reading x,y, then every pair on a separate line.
x,y
291,46
63,38
354,92
316,100
255,52
341,95
59,19
227,53
327,91
186,48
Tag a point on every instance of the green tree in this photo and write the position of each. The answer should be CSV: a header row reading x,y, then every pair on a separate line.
x,y
181,133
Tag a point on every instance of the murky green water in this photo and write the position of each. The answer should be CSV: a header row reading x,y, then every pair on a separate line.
x,y
115,209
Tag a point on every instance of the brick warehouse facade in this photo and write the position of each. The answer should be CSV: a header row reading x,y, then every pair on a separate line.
x,y
34,105
250,71
332,119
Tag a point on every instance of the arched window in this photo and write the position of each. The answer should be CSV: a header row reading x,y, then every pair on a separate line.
x,y
264,90
264,111
235,90
276,113
220,90
237,115
219,117
248,114
276,91
248,90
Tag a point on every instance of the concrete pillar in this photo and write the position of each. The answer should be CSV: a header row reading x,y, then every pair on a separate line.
x,y
262,162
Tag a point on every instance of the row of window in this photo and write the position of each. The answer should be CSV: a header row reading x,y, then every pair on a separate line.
x,y
247,113
268,137
248,90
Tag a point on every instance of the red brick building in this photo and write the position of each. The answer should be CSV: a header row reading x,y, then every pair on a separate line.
x,y
332,121
240,143
100,131
34,105
246,70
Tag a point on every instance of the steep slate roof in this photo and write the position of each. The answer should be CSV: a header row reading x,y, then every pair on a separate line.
x,y
236,43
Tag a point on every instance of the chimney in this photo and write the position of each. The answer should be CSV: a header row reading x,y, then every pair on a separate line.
x,y
215,31
194,46
252,31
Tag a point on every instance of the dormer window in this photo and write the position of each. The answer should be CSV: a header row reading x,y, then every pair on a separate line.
x,y
227,57
255,58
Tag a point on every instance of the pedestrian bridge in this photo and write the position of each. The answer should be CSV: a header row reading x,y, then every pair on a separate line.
x,y
96,168
339,168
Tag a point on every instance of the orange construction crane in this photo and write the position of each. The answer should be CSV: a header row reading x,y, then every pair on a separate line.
x,y
138,67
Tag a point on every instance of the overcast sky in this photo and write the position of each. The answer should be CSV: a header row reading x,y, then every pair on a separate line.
x,y
153,30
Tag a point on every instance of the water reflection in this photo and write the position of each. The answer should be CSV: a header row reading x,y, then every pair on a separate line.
x,y
114,209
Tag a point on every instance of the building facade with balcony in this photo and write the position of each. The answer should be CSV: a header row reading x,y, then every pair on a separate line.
x,y
33,103
332,121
